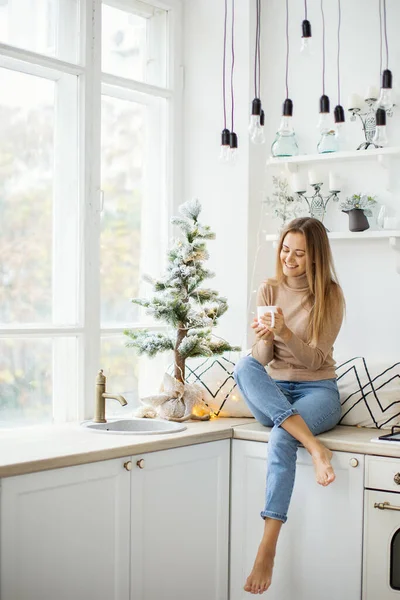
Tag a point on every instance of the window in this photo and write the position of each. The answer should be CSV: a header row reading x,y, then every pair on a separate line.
x,y
87,115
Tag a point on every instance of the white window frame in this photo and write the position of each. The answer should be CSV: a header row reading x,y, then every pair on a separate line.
x,y
74,383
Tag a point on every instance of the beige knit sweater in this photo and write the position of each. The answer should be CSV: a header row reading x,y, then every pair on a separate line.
x,y
296,360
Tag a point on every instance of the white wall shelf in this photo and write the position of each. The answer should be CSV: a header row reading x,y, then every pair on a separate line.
x,y
350,235
293,162
392,235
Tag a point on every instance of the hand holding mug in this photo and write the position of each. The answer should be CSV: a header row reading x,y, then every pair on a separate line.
x,y
262,332
274,320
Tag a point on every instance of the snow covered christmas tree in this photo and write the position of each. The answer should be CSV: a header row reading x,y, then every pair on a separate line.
x,y
179,299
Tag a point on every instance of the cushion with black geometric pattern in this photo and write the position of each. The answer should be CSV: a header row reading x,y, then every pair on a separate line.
x,y
369,392
220,392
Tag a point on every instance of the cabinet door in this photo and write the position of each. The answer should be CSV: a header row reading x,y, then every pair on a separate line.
x,y
65,534
180,523
319,553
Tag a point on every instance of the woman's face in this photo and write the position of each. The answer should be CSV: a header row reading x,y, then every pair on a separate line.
x,y
293,254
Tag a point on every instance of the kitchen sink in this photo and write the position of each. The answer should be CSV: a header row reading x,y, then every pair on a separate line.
x,y
134,426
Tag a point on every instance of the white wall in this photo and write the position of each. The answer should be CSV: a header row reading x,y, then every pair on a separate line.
x,y
232,197
223,190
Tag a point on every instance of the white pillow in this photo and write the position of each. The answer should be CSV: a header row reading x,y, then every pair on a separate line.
x,y
220,392
369,392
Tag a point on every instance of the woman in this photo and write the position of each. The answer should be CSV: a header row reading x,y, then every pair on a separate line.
x,y
298,396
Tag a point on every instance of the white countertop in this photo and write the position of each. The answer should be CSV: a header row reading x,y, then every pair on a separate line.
x,y
53,446
342,437
50,447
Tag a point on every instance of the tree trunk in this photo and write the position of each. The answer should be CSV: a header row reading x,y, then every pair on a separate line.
x,y
179,360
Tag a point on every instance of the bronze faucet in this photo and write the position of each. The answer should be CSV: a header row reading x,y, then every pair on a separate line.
x,y
101,395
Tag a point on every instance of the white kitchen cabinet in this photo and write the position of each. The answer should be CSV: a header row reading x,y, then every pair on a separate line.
x,y
319,554
180,523
65,534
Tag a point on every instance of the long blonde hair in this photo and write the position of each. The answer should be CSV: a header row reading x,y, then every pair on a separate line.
x,y
325,293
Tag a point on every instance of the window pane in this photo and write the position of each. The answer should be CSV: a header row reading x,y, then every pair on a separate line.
x,y
121,368
134,42
134,189
44,26
25,382
26,191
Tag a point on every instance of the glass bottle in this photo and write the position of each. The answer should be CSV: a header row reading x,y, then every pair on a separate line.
x,y
285,143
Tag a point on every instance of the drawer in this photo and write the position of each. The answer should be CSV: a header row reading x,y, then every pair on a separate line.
x,y
381,473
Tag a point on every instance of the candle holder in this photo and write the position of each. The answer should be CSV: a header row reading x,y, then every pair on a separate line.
x,y
368,120
317,203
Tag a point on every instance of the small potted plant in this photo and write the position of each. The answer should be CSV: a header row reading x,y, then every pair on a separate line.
x,y
285,205
358,207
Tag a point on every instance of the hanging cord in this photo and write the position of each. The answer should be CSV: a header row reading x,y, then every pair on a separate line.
x,y
224,63
323,47
256,49
385,29
259,50
338,50
233,63
305,10
287,48
380,39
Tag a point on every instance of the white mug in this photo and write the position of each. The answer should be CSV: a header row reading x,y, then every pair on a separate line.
x,y
261,310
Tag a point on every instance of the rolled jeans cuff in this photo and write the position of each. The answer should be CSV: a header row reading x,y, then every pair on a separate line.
x,y
285,415
273,515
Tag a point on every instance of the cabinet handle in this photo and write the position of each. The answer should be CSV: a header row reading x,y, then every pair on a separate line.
x,y
353,462
396,478
128,465
140,463
385,506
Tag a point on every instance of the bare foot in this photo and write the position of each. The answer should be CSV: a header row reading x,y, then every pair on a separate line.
x,y
260,577
322,463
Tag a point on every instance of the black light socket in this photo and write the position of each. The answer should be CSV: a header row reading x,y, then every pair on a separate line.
x,y
288,108
262,118
324,104
380,117
225,137
256,107
233,141
387,79
339,114
306,29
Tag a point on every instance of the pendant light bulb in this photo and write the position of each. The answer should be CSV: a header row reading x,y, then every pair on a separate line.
x,y
285,143
256,130
306,38
324,121
328,142
385,100
340,129
258,136
233,147
225,146
380,138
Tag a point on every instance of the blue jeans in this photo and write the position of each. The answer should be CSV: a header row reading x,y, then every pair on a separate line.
x,y
271,402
